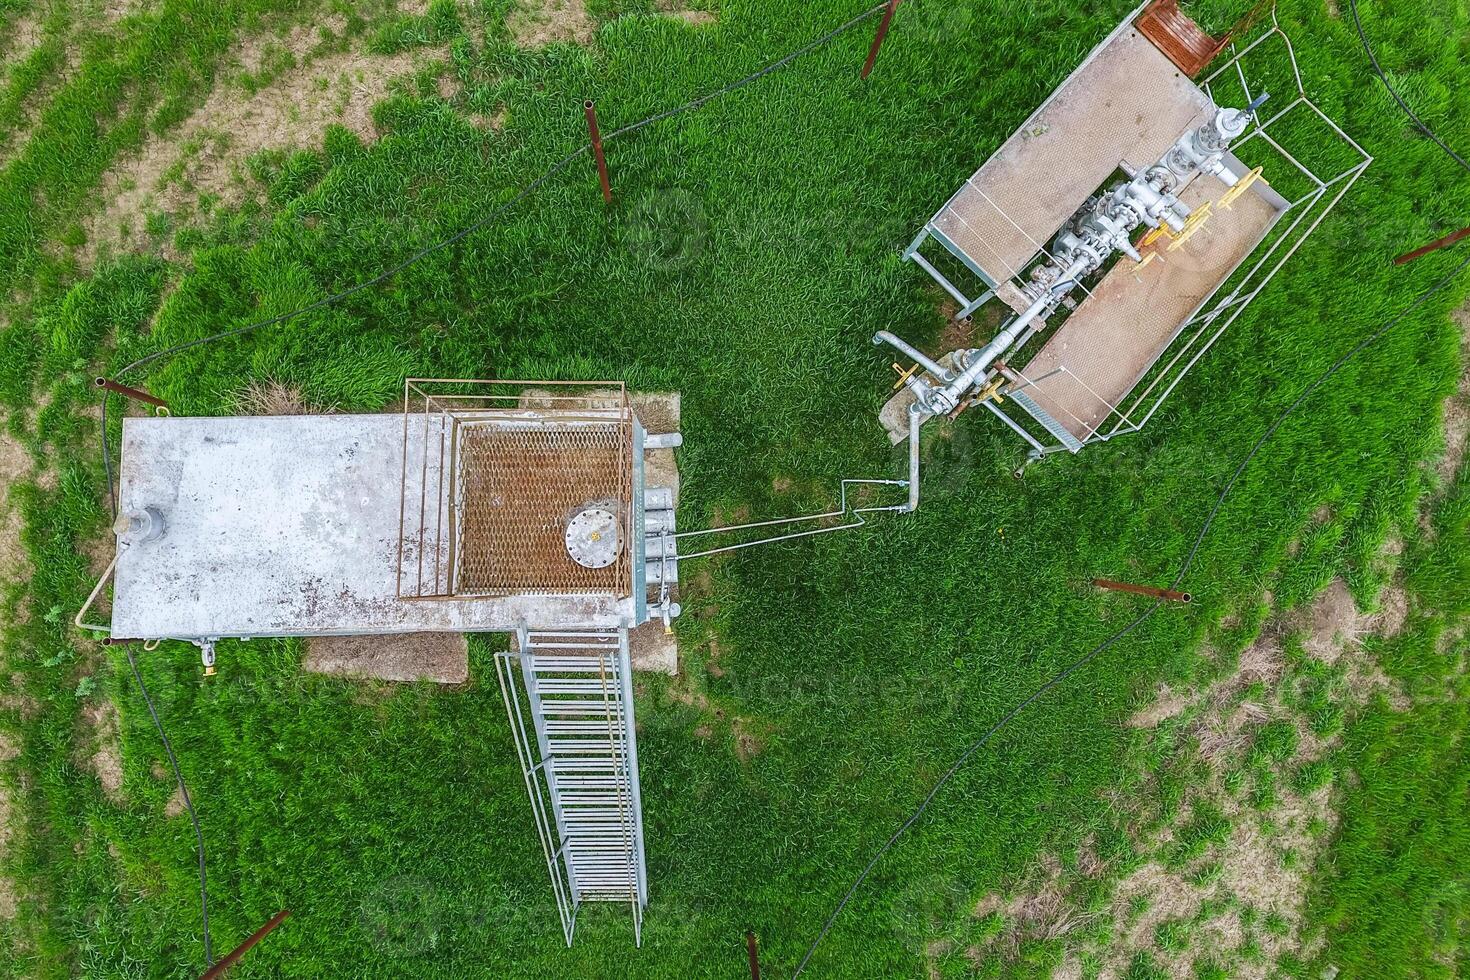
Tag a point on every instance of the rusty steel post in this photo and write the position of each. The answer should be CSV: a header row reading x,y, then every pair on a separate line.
x,y
879,37
133,393
752,955
1148,590
219,968
591,108
1433,246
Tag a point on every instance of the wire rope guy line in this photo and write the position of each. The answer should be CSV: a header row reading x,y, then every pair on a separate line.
x,y
1394,93
173,762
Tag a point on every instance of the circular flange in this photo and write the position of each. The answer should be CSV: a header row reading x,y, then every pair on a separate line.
x,y
594,537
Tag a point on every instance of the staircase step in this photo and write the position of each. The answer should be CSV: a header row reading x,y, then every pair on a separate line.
x,y
1041,415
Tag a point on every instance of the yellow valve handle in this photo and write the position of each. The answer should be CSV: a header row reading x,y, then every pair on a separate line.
x,y
1241,186
903,376
1195,223
1162,231
990,391
1146,260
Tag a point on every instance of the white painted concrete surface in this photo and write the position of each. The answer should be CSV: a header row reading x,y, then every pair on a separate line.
x,y
290,526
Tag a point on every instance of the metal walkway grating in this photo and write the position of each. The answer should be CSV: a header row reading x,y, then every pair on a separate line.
x,y
1009,209
1051,425
519,485
1117,333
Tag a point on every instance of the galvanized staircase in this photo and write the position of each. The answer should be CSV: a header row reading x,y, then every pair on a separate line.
x,y
579,757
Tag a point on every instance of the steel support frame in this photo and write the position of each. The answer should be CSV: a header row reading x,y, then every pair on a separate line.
x,y
1233,304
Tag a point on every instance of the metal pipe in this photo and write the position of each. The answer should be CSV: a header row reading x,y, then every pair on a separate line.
x,y
916,418
981,362
919,357
219,968
752,955
591,109
879,37
108,384
1433,246
1148,590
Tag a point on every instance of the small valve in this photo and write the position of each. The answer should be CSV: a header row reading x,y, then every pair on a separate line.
x,y
1162,231
1241,186
903,376
206,654
991,390
1196,221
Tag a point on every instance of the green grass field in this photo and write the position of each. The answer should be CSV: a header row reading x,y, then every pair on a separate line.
x,y
752,250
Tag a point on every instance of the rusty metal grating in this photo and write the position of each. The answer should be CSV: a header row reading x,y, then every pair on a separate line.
x,y
493,472
519,487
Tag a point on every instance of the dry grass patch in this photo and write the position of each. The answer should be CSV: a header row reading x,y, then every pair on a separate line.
x,y
99,747
537,23
1221,897
677,10
15,466
9,750
271,397
207,154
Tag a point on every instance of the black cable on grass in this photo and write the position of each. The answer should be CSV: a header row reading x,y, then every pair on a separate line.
x,y
188,803
1382,77
525,191
1096,651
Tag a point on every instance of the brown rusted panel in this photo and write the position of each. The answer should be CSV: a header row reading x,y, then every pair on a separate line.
x,y
1176,34
520,485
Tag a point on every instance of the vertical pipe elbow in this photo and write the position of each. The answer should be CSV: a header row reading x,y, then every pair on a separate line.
x,y
916,419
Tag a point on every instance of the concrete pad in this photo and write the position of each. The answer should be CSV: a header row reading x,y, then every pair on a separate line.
x,y
658,411
653,650
290,526
442,658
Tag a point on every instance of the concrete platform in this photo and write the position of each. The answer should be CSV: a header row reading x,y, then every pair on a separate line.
x,y
441,658
282,526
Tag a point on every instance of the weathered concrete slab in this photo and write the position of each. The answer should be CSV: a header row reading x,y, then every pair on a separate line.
x,y
289,526
442,658
658,411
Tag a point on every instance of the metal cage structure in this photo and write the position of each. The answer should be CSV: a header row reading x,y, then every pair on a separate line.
x,y
493,471
1106,368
